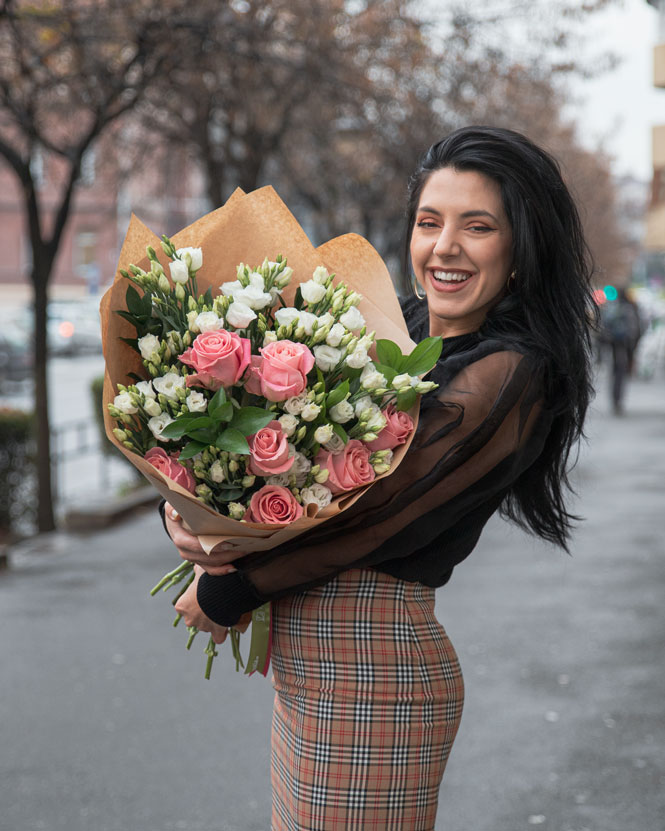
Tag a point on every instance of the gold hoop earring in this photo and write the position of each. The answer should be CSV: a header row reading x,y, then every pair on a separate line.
x,y
415,285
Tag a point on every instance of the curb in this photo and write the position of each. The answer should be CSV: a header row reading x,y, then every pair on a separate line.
x,y
99,514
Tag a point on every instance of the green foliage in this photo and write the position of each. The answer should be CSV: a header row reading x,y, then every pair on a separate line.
x,y
18,477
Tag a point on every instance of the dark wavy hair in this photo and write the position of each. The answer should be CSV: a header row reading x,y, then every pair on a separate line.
x,y
549,311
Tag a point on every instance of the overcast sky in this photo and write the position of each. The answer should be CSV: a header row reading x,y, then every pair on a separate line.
x,y
622,106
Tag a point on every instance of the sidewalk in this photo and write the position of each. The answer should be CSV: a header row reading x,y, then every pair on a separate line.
x,y
108,724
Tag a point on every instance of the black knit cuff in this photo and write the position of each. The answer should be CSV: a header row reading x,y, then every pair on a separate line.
x,y
225,598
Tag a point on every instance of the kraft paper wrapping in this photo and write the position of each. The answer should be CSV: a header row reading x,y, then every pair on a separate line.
x,y
248,228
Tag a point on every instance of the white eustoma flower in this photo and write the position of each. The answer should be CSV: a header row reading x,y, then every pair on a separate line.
x,y
157,423
239,315
320,275
352,319
192,325
152,407
335,335
145,388
371,378
310,411
300,468
401,381
335,445
342,412
357,359
377,421
147,345
179,271
296,404
168,384
208,322
318,495
286,316
236,510
123,401
195,254
254,296
196,402
324,433
325,320
269,337
232,288
289,424
364,403
326,357
280,479
216,471
312,292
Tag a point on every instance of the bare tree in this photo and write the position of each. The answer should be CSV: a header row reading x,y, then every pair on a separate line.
x,y
68,71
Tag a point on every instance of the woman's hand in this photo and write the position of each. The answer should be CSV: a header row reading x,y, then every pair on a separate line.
x,y
193,615
189,547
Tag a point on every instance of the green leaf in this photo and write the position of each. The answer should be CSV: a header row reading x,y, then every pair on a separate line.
x,y
298,302
388,371
389,354
424,356
233,441
184,423
206,435
218,399
250,420
133,343
337,395
191,449
341,432
230,495
406,399
222,413
133,301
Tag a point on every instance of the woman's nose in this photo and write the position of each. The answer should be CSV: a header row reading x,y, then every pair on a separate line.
x,y
446,244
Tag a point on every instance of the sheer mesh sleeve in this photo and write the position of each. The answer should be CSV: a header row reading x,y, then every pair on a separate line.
x,y
477,433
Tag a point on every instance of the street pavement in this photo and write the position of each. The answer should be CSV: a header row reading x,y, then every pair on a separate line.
x,y
107,724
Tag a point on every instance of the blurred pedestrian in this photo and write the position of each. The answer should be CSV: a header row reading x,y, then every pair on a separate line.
x,y
621,329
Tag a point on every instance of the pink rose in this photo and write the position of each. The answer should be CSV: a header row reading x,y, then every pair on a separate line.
x,y
269,449
171,467
349,469
399,427
274,505
219,358
281,371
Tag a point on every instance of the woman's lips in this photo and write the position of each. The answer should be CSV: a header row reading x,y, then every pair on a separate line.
x,y
453,281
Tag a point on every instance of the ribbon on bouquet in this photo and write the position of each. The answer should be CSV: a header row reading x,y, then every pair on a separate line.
x,y
260,645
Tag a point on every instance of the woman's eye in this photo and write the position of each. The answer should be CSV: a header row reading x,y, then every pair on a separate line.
x,y
480,228
426,223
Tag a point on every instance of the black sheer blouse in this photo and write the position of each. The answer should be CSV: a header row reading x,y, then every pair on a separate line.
x,y
478,432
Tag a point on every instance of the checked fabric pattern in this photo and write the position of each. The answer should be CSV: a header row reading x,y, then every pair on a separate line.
x,y
369,696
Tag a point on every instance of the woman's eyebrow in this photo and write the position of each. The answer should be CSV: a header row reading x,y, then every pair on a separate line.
x,y
429,210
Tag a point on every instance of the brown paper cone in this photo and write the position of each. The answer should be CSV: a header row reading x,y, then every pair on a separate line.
x,y
248,228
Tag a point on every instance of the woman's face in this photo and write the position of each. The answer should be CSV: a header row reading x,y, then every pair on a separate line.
x,y
461,249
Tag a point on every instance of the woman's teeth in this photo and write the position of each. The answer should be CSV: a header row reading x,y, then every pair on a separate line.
x,y
451,276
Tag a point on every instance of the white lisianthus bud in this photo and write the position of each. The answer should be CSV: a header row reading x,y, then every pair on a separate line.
x,y
121,435
296,404
195,257
179,292
341,412
236,510
377,421
192,325
327,357
352,319
285,277
324,433
157,423
335,445
322,476
289,424
239,315
300,468
371,378
381,467
125,404
208,322
286,316
310,411
357,359
145,388
317,494
312,292
248,481
366,342
164,284
335,335
151,407
196,402
320,275
363,404
169,384
424,386
147,345
325,320
353,299
269,337
280,479
401,381
216,471
234,467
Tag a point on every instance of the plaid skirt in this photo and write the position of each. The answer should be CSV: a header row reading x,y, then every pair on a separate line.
x,y
368,700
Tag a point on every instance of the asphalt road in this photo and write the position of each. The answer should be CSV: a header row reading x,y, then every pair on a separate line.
x,y
106,722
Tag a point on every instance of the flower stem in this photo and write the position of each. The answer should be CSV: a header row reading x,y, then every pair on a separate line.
x,y
193,632
212,653
182,569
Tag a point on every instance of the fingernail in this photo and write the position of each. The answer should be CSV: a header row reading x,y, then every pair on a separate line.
x,y
174,514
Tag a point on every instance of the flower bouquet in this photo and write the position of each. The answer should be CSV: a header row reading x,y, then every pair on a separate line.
x,y
246,386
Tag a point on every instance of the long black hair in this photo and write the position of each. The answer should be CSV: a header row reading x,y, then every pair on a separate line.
x,y
549,309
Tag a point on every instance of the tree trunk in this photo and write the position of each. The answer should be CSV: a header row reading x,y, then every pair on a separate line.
x,y
45,517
